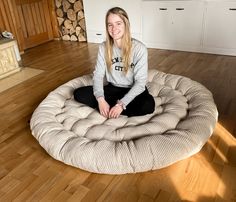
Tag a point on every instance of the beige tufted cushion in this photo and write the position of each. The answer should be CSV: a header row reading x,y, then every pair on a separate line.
x,y
78,135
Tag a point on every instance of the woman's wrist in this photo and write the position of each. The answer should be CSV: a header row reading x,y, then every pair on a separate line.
x,y
100,99
120,103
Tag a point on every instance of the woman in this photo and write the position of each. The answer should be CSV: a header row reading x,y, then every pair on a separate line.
x,y
123,62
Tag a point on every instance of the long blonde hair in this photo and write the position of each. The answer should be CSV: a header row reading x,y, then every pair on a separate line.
x,y
126,43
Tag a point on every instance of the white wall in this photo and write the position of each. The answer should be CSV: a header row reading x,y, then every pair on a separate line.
x,y
95,12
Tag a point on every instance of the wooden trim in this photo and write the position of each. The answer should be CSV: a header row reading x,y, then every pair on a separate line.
x,y
22,22
36,40
1,20
48,19
39,18
30,24
19,2
41,11
52,11
9,17
4,15
17,25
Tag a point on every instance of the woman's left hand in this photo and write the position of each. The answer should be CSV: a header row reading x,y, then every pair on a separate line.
x,y
115,111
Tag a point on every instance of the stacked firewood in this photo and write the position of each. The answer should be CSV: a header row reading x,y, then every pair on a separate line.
x,y
70,17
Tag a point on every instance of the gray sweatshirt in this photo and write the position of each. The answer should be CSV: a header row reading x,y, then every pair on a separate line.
x,y
135,78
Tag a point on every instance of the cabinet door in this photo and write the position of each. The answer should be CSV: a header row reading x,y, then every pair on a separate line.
x,y
187,24
220,25
173,24
156,24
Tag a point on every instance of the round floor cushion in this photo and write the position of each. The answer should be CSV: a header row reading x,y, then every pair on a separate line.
x,y
183,120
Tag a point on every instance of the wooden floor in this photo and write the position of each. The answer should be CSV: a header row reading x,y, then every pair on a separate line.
x,y
28,173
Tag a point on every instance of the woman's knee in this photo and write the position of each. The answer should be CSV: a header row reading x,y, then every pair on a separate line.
x,y
151,104
83,94
140,106
78,94
148,106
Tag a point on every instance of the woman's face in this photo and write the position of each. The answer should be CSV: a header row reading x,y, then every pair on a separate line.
x,y
116,26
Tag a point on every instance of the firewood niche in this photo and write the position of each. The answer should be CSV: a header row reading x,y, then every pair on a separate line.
x,y
70,17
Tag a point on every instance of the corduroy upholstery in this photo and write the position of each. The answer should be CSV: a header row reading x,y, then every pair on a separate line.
x,y
183,120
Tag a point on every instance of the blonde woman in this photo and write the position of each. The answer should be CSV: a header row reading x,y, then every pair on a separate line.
x,y
123,62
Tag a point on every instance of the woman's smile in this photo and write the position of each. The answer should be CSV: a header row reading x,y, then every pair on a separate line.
x,y
115,26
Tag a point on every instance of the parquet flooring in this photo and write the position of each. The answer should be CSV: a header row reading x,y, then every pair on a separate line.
x,y
28,173
19,77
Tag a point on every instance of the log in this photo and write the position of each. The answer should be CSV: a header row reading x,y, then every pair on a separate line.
x,y
59,13
78,6
60,32
66,5
65,31
82,24
60,21
77,31
73,38
68,24
72,31
58,3
71,14
80,15
70,17
75,23
66,37
82,37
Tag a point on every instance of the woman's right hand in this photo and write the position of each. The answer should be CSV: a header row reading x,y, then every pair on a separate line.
x,y
104,107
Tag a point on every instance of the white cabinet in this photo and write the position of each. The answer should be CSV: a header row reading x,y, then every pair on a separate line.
x,y
95,12
173,24
220,28
188,25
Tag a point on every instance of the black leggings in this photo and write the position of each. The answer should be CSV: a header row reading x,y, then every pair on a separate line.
x,y
140,105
